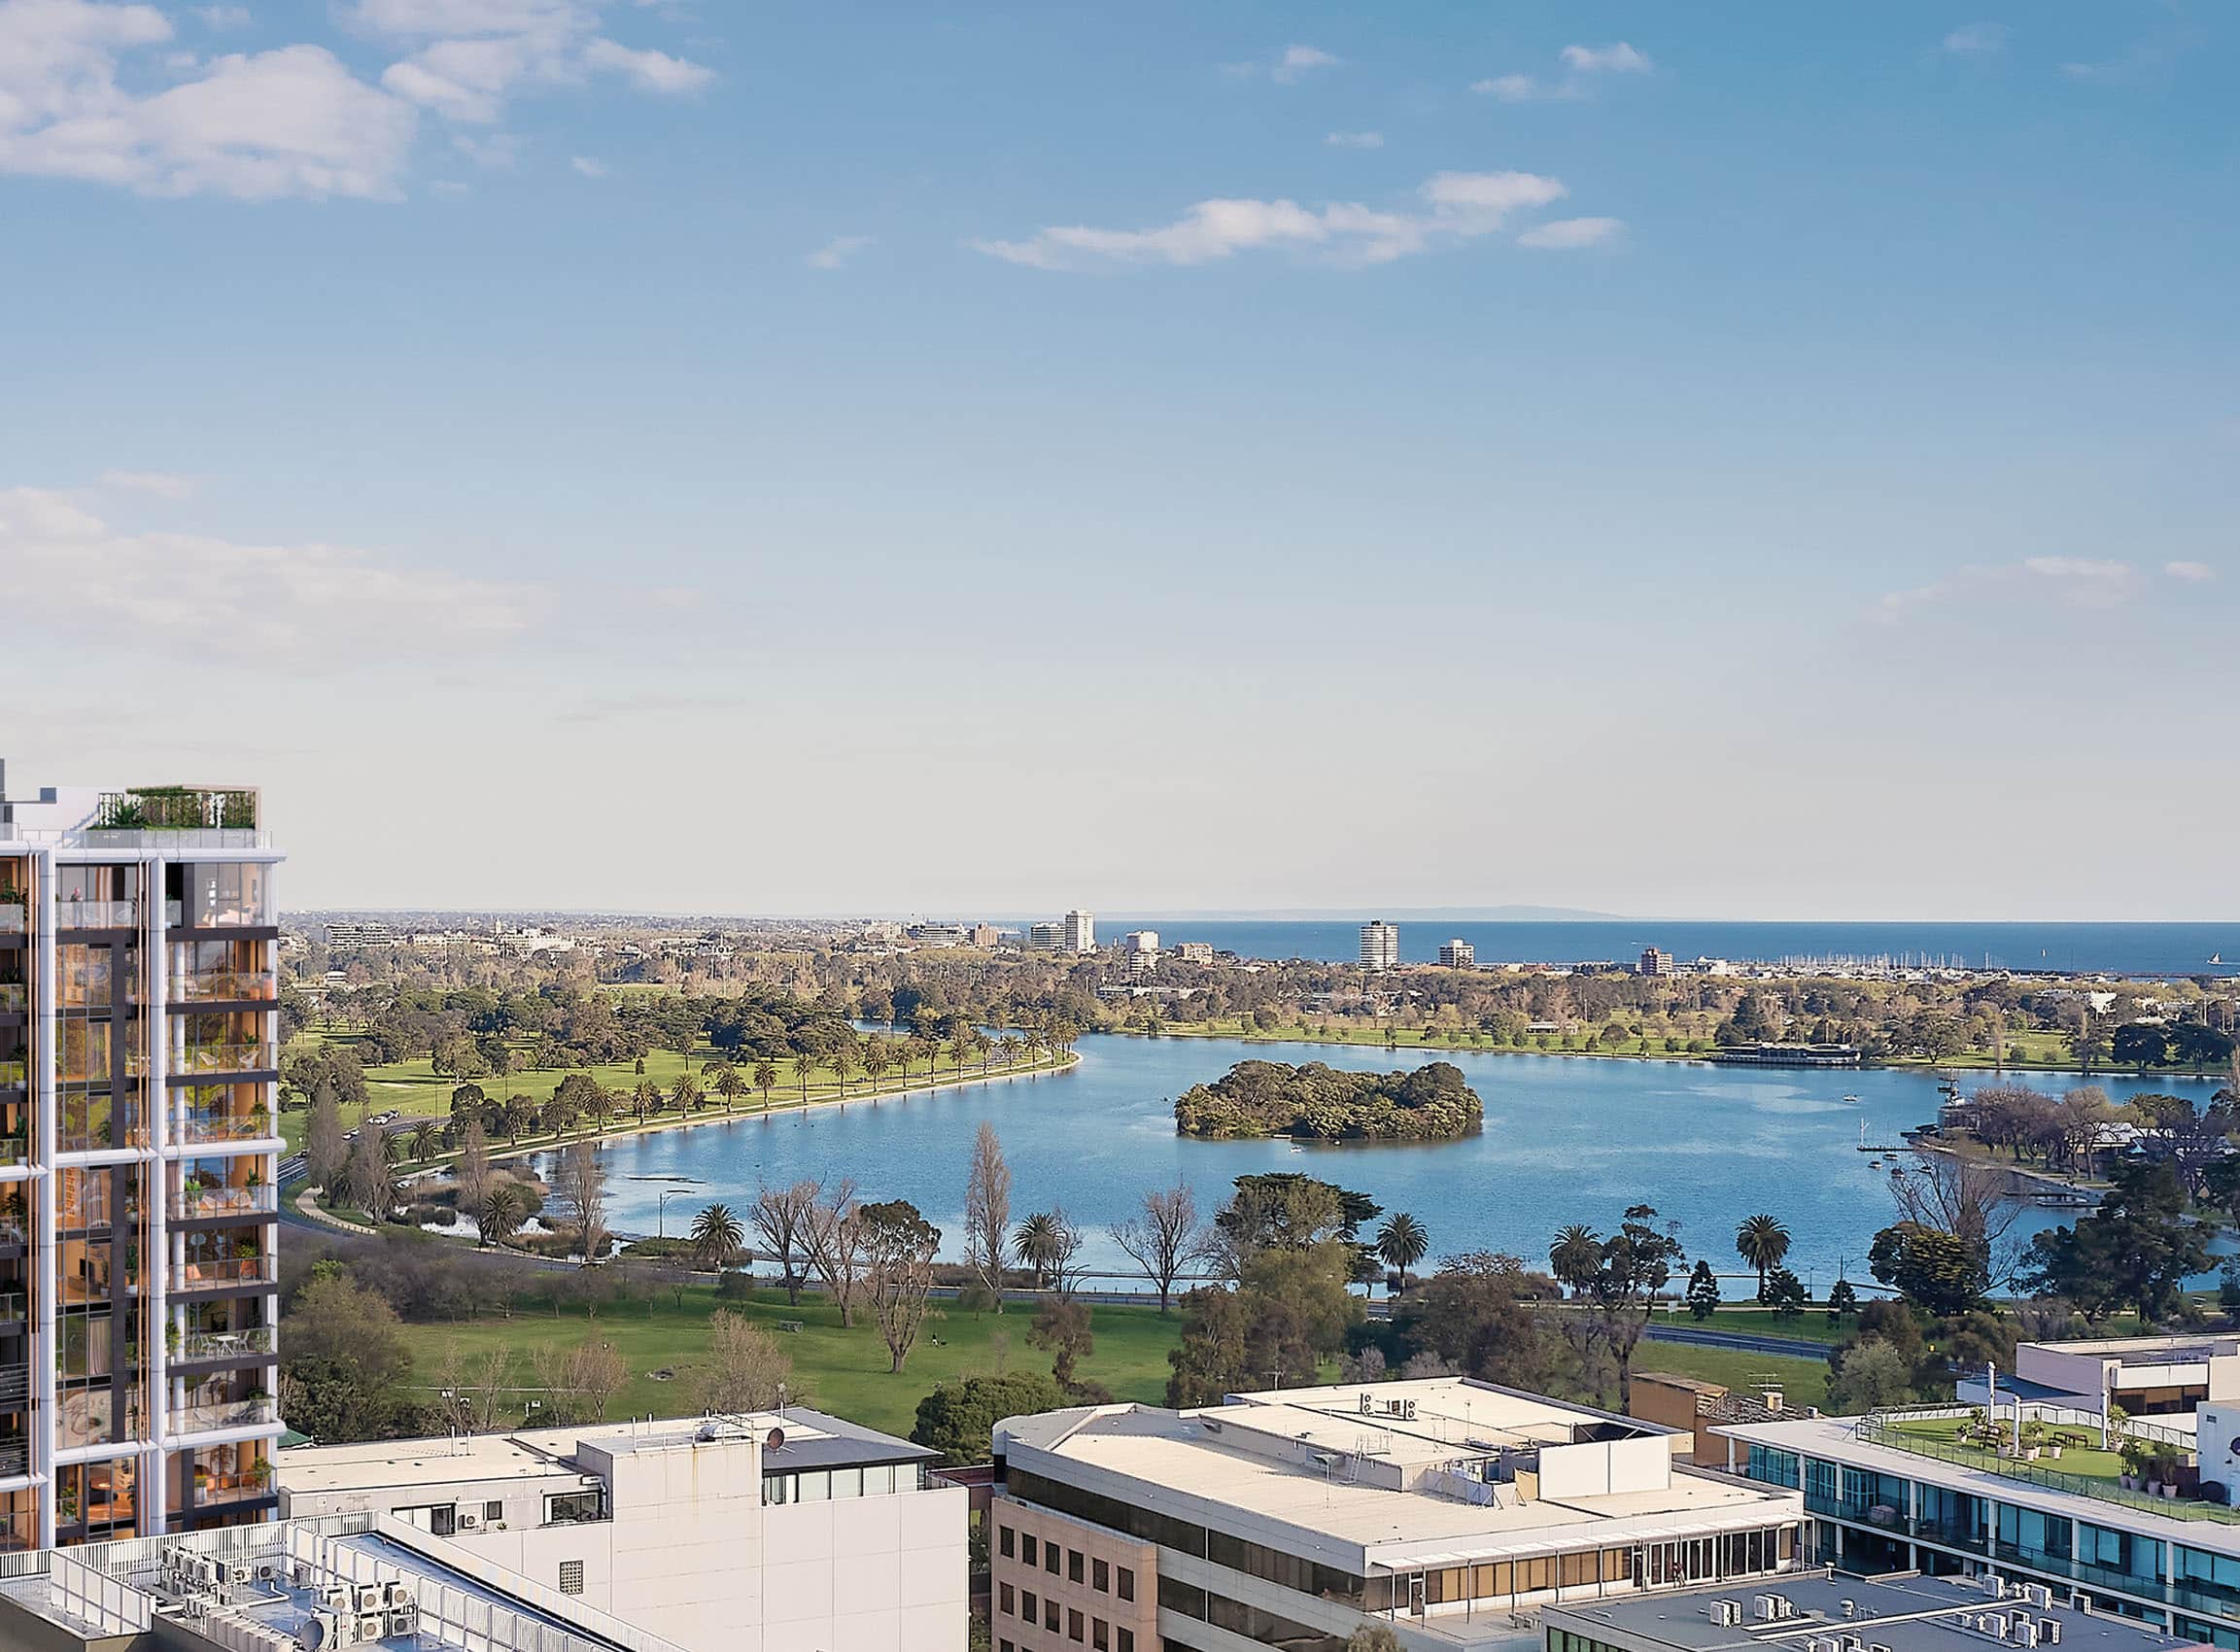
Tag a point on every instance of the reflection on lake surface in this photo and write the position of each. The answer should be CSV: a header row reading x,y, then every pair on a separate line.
x,y
1565,1139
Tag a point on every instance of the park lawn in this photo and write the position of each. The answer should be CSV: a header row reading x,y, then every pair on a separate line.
x,y
415,1088
840,1371
1811,1325
1802,1382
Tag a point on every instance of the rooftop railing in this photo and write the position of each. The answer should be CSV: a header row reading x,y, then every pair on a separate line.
x,y
1874,1430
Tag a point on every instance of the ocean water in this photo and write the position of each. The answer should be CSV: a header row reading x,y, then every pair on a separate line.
x,y
2117,948
1565,1139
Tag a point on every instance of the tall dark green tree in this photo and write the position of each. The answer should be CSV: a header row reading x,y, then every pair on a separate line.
x,y
1703,1292
2137,1250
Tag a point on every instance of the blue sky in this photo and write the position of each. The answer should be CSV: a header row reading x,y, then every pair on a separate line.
x,y
1757,461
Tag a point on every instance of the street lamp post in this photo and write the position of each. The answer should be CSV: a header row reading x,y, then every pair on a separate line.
x,y
661,1206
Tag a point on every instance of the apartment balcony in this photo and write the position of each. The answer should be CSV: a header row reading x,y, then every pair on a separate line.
x,y
15,1075
211,1416
96,914
15,919
215,1490
257,1340
199,1059
224,1273
226,986
192,1204
15,998
230,914
15,1310
198,1126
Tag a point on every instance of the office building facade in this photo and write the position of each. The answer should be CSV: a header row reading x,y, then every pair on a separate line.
x,y
1457,954
778,1532
1440,1508
138,1154
1081,932
1380,945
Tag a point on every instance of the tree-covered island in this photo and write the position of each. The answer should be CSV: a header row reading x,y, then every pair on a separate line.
x,y
1266,1098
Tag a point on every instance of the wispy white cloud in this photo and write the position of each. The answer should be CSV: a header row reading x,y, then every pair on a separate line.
x,y
1450,206
289,122
306,602
2191,572
837,250
1566,234
1287,67
590,167
162,484
1582,64
223,18
2090,582
1977,40
1356,140
649,70
1618,59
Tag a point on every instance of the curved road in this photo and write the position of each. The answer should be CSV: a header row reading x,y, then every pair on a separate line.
x,y
1744,1341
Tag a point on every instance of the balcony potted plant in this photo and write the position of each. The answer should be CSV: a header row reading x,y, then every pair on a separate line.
x,y
171,1336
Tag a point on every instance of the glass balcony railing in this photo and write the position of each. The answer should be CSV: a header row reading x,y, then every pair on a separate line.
x,y
197,1125
224,1344
231,1487
190,1203
217,1414
226,986
96,914
14,1307
14,1073
14,919
223,1059
15,998
223,1271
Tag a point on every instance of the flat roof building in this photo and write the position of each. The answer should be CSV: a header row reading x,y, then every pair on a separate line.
x,y
1832,1612
138,1153
2033,1498
1457,954
782,1532
1440,1506
1380,945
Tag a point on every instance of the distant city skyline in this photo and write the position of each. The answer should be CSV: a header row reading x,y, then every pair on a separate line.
x,y
1780,462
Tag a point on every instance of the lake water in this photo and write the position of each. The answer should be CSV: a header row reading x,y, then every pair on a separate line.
x,y
1565,1139
2121,949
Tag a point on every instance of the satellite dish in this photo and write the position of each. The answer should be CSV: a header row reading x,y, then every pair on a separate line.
x,y
775,1440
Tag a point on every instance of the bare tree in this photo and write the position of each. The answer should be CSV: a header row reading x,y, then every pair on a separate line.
x,y
597,1371
489,1381
1166,1239
747,1369
472,1173
1964,1197
370,1176
780,1216
580,1196
988,1212
898,1251
833,1237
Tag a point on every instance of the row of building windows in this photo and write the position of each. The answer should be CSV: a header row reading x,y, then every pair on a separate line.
x,y
1075,1624
1563,1640
1250,1622
831,1485
1078,1568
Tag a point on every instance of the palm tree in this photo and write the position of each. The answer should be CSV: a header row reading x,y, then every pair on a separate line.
x,y
804,1064
504,1208
1575,1254
601,1105
1762,1242
1039,1244
424,1136
845,1063
729,1085
716,1236
685,1092
766,1081
645,1098
876,1059
1403,1242
960,1048
926,1050
983,1046
1009,1047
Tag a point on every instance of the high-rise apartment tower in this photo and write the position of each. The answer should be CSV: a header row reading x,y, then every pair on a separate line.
x,y
1380,945
138,1161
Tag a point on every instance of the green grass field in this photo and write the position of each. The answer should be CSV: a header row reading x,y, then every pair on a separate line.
x,y
414,1088
840,1371
1802,1382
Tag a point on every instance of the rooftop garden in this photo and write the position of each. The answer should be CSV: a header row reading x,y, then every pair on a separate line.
x,y
2061,1456
176,808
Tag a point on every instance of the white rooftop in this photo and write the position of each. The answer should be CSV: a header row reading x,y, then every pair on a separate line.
x,y
1367,1489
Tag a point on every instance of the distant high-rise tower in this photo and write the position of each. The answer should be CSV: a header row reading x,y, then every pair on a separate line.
x,y
1380,945
1655,961
138,1163
1081,932
1458,954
